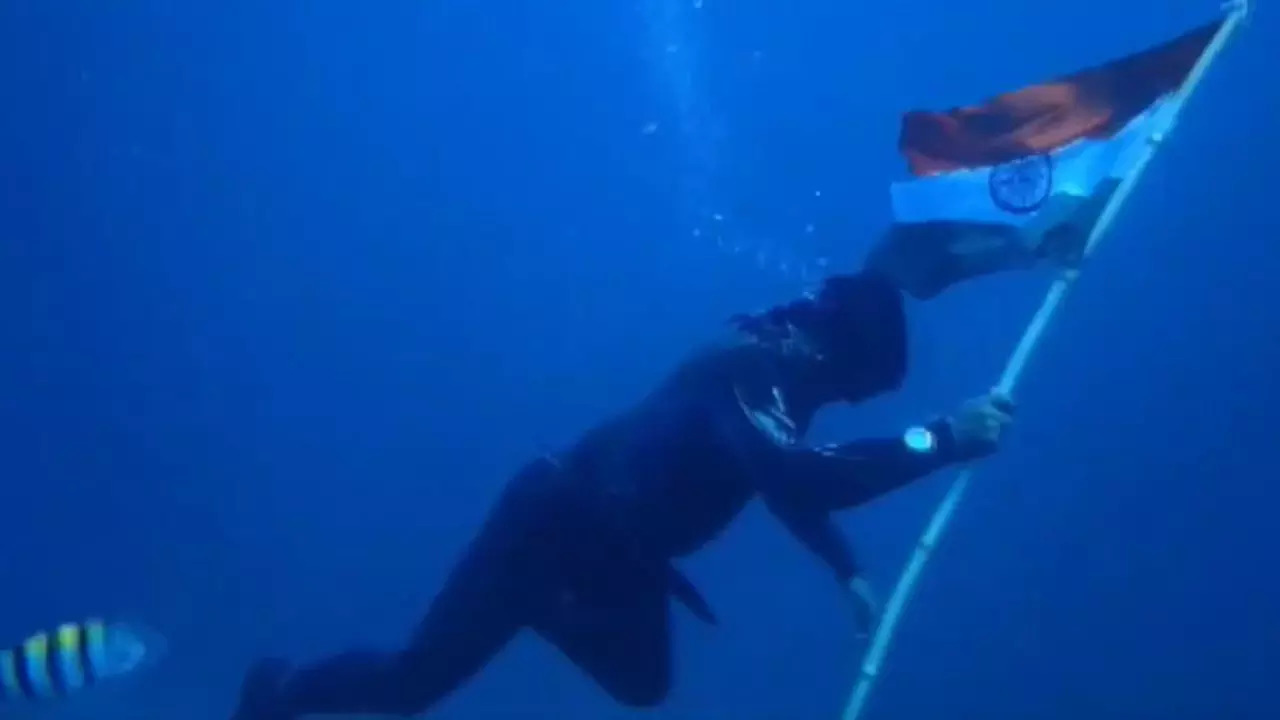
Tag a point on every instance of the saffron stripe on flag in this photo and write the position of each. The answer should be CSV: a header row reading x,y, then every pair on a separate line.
x,y
1031,190
1094,103
1025,176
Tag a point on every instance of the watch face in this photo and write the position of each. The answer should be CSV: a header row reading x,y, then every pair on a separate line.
x,y
920,440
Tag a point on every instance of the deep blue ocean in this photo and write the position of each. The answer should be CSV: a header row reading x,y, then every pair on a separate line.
x,y
289,289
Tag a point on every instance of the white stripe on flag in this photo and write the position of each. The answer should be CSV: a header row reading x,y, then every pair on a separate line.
x,y
1078,169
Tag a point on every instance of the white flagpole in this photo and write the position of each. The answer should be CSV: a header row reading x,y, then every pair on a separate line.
x,y
865,682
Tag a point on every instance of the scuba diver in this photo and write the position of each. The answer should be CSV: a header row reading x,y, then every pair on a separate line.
x,y
579,547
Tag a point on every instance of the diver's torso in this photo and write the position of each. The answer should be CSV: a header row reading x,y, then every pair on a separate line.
x,y
671,473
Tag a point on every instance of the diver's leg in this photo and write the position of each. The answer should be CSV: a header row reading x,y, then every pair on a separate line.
x,y
483,605
463,630
469,622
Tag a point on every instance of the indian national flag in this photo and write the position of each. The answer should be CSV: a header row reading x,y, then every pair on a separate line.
x,y
1031,170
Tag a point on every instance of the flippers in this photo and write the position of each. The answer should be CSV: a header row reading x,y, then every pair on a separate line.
x,y
688,595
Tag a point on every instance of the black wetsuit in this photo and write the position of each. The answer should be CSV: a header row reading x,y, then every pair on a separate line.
x,y
579,547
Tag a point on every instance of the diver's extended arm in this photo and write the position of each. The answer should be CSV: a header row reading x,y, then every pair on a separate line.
x,y
812,483
835,477
818,482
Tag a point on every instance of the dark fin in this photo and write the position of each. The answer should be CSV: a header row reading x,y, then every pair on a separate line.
x,y
260,693
619,635
684,591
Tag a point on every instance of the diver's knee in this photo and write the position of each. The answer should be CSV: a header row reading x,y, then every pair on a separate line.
x,y
643,695
410,687
647,700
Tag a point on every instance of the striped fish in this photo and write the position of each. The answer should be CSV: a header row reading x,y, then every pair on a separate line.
x,y
50,665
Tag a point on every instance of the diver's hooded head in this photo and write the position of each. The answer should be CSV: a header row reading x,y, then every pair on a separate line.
x,y
850,337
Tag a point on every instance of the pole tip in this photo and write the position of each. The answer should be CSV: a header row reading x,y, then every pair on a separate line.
x,y
1237,7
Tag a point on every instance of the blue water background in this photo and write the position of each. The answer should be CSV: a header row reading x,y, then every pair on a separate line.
x,y
288,289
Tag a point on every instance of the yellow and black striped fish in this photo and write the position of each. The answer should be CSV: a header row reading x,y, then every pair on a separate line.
x,y
57,664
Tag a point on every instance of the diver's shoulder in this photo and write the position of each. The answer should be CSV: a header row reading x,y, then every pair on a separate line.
x,y
722,354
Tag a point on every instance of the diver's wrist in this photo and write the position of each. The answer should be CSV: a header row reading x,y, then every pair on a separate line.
x,y
934,439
